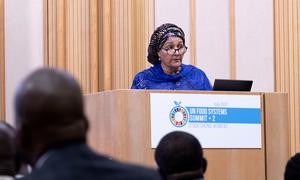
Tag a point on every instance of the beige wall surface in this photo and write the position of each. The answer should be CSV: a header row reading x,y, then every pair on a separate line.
x,y
255,43
23,44
213,38
176,12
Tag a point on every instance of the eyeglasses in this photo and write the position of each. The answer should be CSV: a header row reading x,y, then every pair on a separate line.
x,y
171,51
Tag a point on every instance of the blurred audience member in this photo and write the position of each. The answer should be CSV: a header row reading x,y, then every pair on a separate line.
x,y
8,166
292,169
179,156
51,132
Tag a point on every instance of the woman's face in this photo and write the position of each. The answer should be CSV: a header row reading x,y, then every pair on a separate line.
x,y
171,54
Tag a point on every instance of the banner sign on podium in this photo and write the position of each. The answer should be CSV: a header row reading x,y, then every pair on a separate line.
x,y
217,120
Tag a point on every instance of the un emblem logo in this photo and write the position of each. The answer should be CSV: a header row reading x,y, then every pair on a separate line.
x,y
178,115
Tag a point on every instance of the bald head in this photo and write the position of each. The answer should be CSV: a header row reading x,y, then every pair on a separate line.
x,y
49,110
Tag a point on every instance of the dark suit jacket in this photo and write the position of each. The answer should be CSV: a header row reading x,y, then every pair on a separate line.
x,y
79,162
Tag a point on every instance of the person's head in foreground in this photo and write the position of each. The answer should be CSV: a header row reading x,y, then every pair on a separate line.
x,y
292,169
179,155
49,112
165,52
51,132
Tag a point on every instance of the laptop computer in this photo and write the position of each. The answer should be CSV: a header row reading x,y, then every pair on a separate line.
x,y
232,85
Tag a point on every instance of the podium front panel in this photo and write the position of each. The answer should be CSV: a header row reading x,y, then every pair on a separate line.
x,y
120,127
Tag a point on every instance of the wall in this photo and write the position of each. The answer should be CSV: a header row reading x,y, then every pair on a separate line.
x,y
235,42
176,12
255,43
287,50
102,43
213,38
23,44
234,38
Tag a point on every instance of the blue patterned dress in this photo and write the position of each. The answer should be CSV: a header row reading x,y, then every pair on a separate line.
x,y
189,78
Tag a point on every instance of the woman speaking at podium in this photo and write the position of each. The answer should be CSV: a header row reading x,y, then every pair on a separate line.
x,y
165,52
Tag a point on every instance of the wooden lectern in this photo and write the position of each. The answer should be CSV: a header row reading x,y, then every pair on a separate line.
x,y
120,128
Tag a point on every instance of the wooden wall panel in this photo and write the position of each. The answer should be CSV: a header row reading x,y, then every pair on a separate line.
x,y
94,45
193,32
2,63
105,45
102,42
127,29
143,27
71,39
287,28
232,39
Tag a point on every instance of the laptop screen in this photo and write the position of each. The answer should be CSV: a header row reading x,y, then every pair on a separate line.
x,y
232,85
